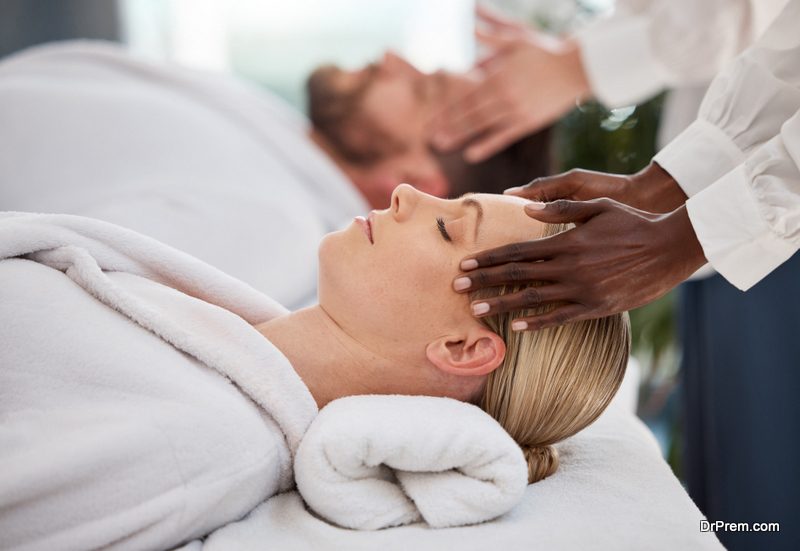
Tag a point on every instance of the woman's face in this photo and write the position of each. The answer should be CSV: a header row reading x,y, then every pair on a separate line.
x,y
387,280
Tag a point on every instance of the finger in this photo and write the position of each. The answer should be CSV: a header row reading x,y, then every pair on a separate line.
x,y
458,130
497,40
451,132
453,104
528,298
512,273
564,212
495,142
489,60
522,251
473,114
549,188
487,16
569,313
487,117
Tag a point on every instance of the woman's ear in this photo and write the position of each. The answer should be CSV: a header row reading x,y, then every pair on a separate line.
x,y
477,352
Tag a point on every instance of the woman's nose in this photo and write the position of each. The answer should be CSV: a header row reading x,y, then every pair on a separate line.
x,y
404,202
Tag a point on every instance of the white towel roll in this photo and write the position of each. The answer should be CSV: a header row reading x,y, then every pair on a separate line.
x,y
370,462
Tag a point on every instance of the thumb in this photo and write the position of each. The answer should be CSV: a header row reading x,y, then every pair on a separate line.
x,y
563,212
497,41
547,188
488,16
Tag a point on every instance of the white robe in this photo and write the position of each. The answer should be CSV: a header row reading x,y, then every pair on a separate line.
x,y
139,408
203,162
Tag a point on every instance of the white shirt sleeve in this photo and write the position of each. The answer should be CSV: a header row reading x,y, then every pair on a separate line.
x,y
649,45
748,221
738,162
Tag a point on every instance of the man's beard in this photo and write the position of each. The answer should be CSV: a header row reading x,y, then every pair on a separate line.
x,y
339,117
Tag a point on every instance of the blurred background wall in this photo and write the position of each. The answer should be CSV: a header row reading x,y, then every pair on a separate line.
x,y
278,43
24,23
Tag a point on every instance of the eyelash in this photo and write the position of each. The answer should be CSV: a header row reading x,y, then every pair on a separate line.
x,y
443,230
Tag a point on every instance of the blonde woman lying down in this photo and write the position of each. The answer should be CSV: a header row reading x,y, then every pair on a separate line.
x,y
121,425
388,322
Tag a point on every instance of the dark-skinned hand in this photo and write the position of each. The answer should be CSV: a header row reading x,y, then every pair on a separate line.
x,y
651,189
615,259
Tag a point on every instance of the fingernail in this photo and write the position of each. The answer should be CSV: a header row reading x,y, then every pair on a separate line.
x,y
470,264
535,206
480,308
519,325
512,190
462,283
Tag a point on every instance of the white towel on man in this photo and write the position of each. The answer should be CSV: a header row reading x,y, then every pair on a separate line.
x,y
370,462
139,408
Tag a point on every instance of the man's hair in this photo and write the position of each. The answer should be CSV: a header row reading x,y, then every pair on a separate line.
x,y
518,164
337,116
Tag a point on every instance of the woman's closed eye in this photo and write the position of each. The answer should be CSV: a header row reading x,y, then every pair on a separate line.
x,y
443,230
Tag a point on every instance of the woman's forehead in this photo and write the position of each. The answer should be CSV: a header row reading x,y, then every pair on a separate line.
x,y
496,205
505,220
503,200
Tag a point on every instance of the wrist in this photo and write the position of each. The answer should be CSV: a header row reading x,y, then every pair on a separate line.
x,y
657,190
689,250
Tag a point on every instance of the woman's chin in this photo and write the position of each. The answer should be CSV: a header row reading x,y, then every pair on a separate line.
x,y
330,249
336,277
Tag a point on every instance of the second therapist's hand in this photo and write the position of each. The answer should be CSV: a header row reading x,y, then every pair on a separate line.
x,y
530,81
616,258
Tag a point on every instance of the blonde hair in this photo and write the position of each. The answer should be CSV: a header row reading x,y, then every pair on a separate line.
x,y
554,382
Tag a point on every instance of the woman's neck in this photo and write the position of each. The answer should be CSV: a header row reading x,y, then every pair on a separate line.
x,y
330,362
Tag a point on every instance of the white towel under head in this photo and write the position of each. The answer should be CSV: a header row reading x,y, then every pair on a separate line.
x,y
370,462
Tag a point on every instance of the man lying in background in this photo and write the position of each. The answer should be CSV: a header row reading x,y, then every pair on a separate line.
x,y
377,119
218,168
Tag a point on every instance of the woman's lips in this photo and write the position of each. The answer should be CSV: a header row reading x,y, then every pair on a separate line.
x,y
366,225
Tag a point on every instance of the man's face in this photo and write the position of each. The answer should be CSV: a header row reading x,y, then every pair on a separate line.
x,y
379,114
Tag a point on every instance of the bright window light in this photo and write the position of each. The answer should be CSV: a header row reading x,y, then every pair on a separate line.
x,y
278,43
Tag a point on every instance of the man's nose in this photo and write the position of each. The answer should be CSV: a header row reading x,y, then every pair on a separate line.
x,y
394,64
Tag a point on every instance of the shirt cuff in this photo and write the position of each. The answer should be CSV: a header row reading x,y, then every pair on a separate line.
x,y
735,238
699,156
619,63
